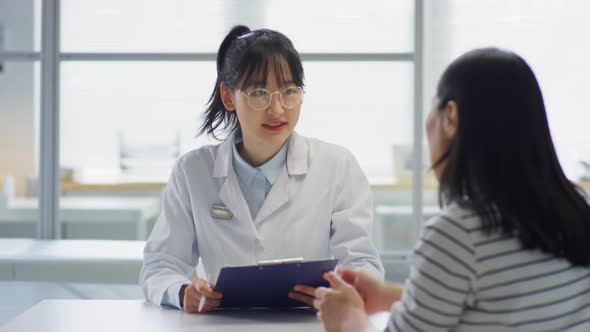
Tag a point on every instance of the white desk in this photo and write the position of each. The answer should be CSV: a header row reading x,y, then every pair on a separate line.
x,y
136,315
85,217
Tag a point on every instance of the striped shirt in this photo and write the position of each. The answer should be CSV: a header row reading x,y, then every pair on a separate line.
x,y
464,280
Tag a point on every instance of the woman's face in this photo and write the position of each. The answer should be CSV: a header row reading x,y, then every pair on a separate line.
x,y
440,131
270,127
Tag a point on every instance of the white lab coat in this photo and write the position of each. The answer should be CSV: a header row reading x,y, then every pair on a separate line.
x,y
319,207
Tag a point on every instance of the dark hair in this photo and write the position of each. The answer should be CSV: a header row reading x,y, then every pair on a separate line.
x,y
244,58
502,162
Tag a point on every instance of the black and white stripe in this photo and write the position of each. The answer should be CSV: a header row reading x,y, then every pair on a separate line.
x,y
464,280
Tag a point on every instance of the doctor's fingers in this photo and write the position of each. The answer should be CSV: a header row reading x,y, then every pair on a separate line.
x,y
203,288
307,290
210,294
192,298
192,302
201,285
302,297
209,301
207,306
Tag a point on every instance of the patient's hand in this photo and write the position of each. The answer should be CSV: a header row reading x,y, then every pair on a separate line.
x,y
340,307
376,294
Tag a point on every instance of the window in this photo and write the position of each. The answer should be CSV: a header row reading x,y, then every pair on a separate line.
x,y
549,34
19,117
184,26
19,89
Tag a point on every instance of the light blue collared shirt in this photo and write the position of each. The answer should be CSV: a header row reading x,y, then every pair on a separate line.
x,y
256,182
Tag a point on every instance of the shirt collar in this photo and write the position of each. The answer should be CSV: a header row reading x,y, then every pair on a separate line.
x,y
271,169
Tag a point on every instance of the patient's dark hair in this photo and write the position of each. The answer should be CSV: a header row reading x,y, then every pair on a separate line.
x,y
502,162
244,58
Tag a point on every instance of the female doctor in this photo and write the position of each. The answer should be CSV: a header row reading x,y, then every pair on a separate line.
x,y
264,192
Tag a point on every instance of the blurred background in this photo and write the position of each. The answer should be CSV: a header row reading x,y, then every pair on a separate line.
x,y
99,98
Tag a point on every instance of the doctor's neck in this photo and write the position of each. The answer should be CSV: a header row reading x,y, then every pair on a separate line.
x,y
258,154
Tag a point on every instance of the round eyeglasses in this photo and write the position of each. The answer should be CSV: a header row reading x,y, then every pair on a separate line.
x,y
259,99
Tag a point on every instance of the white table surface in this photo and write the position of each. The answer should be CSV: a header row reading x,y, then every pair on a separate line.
x,y
137,315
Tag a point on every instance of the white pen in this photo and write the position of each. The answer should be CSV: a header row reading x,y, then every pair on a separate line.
x,y
202,302
203,298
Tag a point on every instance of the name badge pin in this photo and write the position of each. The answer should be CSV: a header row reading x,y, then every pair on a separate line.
x,y
220,211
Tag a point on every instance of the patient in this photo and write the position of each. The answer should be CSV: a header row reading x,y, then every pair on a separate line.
x,y
511,249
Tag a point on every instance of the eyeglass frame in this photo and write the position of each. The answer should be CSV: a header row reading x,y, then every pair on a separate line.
x,y
270,98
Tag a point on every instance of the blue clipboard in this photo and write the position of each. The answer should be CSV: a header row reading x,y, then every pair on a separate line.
x,y
268,286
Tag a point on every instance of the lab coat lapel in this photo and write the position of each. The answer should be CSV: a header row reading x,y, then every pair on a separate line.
x,y
282,190
232,197
277,196
230,193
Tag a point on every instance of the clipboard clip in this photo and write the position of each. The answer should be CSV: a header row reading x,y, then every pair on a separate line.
x,y
281,261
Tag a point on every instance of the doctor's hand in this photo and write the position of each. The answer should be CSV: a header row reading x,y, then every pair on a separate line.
x,y
197,289
340,307
376,294
305,294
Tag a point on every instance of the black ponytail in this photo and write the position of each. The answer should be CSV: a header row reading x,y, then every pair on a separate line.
x,y
216,114
245,55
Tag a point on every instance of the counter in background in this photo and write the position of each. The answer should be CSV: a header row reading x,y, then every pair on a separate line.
x,y
96,217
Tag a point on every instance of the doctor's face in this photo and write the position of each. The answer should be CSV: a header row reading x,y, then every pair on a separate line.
x,y
268,125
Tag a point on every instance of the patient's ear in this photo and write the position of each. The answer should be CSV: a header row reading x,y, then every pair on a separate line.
x,y
227,97
450,119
